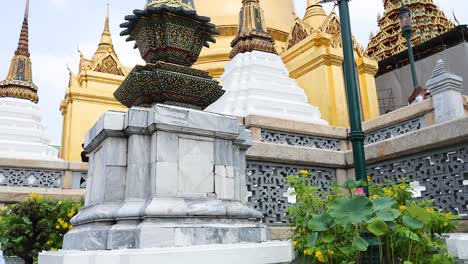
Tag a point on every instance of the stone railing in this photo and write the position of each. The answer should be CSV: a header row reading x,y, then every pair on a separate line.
x,y
402,121
433,158
59,179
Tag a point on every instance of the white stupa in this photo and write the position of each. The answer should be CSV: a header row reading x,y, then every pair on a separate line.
x,y
256,80
22,134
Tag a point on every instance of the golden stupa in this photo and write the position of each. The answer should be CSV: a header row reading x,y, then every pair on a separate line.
x,y
428,22
279,16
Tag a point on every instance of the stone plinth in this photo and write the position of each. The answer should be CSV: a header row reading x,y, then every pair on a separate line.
x,y
165,177
269,252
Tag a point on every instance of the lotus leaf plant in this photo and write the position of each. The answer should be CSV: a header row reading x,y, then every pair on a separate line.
x,y
388,227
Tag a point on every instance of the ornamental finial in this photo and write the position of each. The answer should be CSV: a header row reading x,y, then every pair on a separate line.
x,y
253,34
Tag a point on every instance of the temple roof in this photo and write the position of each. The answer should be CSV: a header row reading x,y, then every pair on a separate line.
x,y
315,22
105,58
428,22
253,34
19,83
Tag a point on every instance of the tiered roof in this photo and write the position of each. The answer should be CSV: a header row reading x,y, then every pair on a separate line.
x,y
428,22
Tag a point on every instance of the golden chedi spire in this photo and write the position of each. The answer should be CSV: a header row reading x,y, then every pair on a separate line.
x,y
105,58
105,45
315,15
252,34
428,22
18,83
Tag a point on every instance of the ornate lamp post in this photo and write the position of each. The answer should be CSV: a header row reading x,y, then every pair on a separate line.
x,y
356,135
406,20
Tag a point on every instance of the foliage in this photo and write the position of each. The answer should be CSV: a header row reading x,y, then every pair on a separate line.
x,y
34,225
344,226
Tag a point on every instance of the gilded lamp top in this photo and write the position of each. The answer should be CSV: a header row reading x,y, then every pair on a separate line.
x,y
187,4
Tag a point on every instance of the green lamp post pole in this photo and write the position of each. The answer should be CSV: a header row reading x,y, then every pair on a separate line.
x,y
406,20
356,135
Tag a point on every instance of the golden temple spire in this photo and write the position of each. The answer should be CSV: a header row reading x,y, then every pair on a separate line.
x,y
253,34
315,14
19,83
105,45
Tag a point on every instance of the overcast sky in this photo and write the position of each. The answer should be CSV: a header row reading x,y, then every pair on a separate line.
x,y
59,27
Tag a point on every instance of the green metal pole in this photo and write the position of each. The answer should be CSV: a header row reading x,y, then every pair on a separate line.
x,y
407,34
356,135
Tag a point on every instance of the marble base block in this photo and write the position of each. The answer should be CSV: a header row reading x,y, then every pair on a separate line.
x,y
247,253
165,177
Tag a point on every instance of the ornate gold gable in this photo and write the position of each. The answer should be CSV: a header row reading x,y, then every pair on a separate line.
x,y
105,59
330,26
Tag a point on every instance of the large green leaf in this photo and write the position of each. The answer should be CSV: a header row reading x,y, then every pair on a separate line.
x,y
347,250
412,223
312,239
388,214
360,243
411,235
419,213
407,262
383,203
328,237
355,210
378,228
320,223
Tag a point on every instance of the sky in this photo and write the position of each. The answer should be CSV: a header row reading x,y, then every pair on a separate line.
x,y
58,28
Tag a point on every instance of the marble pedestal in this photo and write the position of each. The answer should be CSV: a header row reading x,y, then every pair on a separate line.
x,y
165,177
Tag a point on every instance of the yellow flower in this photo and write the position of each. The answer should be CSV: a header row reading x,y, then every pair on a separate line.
x,y
430,210
403,207
331,252
388,192
57,227
295,243
70,227
65,226
448,215
304,172
402,187
307,252
319,256
369,178
5,208
373,197
34,196
445,224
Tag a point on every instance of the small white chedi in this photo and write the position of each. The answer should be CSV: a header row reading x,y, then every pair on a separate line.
x,y
22,134
256,80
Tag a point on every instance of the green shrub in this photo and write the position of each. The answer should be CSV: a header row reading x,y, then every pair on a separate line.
x,y
344,226
34,225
